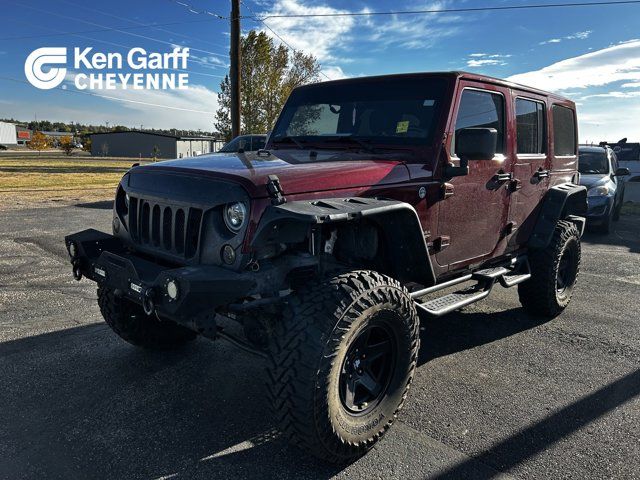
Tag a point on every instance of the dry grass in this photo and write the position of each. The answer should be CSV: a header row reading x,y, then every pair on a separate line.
x,y
44,180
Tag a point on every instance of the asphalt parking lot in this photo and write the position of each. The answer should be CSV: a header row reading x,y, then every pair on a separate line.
x,y
498,393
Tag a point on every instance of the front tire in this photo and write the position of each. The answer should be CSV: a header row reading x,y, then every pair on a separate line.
x,y
554,272
130,323
341,363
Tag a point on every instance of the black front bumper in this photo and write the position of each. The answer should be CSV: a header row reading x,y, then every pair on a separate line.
x,y
201,289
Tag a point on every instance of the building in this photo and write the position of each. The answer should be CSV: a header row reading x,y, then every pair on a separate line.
x,y
23,135
8,136
139,144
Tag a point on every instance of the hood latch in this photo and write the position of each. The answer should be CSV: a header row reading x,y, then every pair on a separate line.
x,y
274,189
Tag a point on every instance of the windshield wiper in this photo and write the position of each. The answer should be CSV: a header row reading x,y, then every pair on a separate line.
x,y
365,144
287,138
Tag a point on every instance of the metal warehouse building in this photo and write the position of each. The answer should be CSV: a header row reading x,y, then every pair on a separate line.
x,y
148,145
8,134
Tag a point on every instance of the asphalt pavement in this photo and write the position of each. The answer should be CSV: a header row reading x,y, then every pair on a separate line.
x,y
498,393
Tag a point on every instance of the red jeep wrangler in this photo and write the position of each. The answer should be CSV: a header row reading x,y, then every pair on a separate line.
x,y
372,196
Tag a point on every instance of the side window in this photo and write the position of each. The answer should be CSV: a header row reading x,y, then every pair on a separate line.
x,y
564,131
481,110
530,126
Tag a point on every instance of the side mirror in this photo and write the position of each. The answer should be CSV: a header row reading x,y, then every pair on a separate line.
x,y
622,172
476,143
473,144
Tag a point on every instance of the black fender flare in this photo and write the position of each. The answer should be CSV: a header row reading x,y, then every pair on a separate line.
x,y
566,201
397,221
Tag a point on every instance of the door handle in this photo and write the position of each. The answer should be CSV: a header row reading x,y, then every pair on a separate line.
x,y
503,177
542,174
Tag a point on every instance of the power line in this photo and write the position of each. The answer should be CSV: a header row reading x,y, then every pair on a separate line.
x,y
278,36
98,30
193,9
140,23
108,97
107,42
117,30
453,10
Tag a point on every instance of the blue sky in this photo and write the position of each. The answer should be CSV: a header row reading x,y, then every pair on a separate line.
x,y
590,54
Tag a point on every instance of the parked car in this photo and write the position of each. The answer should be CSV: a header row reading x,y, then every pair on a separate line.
x,y
374,196
244,143
628,155
600,173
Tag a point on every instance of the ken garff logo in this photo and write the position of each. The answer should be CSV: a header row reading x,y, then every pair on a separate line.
x,y
43,58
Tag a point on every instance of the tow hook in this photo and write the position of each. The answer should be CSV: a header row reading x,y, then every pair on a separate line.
x,y
148,305
77,271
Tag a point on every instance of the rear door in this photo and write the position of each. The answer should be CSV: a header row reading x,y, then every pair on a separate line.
x,y
531,164
472,216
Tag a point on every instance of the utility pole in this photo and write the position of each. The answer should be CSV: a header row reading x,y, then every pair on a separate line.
x,y
234,73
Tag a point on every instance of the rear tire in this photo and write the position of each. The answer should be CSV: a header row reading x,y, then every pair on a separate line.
x,y
130,323
330,397
554,272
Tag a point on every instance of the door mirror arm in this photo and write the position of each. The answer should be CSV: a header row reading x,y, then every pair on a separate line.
x,y
451,170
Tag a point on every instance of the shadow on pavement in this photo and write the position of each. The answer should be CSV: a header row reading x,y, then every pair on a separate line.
x,y
461,330
624,233
103,205
534,439
81,403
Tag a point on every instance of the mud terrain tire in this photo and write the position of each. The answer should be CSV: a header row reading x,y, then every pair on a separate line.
x,y
554,271
129,321
329,397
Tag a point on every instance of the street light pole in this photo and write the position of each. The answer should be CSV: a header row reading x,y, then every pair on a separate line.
x,y
234,73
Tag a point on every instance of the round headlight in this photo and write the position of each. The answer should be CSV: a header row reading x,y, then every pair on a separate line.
x,y
235,215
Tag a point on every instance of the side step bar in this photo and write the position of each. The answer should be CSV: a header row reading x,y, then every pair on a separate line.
x,y
517,272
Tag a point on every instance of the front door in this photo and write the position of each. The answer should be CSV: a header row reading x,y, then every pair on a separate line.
x,y
472,216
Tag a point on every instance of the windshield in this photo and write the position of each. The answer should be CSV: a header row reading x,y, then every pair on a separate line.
x,y
386,111
593,163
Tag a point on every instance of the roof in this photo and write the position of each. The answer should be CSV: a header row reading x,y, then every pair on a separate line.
x,y
452,74
177,137
591,148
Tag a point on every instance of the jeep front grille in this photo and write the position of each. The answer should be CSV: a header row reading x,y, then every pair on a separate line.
x,y
174,230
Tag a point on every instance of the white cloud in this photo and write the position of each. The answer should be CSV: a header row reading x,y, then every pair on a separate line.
x,y
319,36
476,60
189,109
601,67
334,72
576,36
631,85
413,31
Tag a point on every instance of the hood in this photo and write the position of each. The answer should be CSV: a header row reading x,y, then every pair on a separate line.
x,y
594,180
297,171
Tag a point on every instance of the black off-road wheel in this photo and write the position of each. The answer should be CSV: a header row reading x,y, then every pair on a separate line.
x,y
342,362
129,321
554,272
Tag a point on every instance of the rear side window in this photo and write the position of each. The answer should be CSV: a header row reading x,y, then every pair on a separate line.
x,y
530,126
481,110
564,131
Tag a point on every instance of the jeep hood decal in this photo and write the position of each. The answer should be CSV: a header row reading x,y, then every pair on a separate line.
x,y
297,171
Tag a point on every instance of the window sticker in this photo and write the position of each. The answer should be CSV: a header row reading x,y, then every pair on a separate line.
x,y
402,127
428,103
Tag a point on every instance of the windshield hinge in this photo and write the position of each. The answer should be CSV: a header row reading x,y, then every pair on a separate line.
x,y
274,189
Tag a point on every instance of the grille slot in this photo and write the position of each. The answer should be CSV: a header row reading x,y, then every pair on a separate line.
x,y
167,219
169,229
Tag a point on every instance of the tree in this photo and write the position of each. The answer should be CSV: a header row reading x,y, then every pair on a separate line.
x,y
155,152
268,74
66,145
39,142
